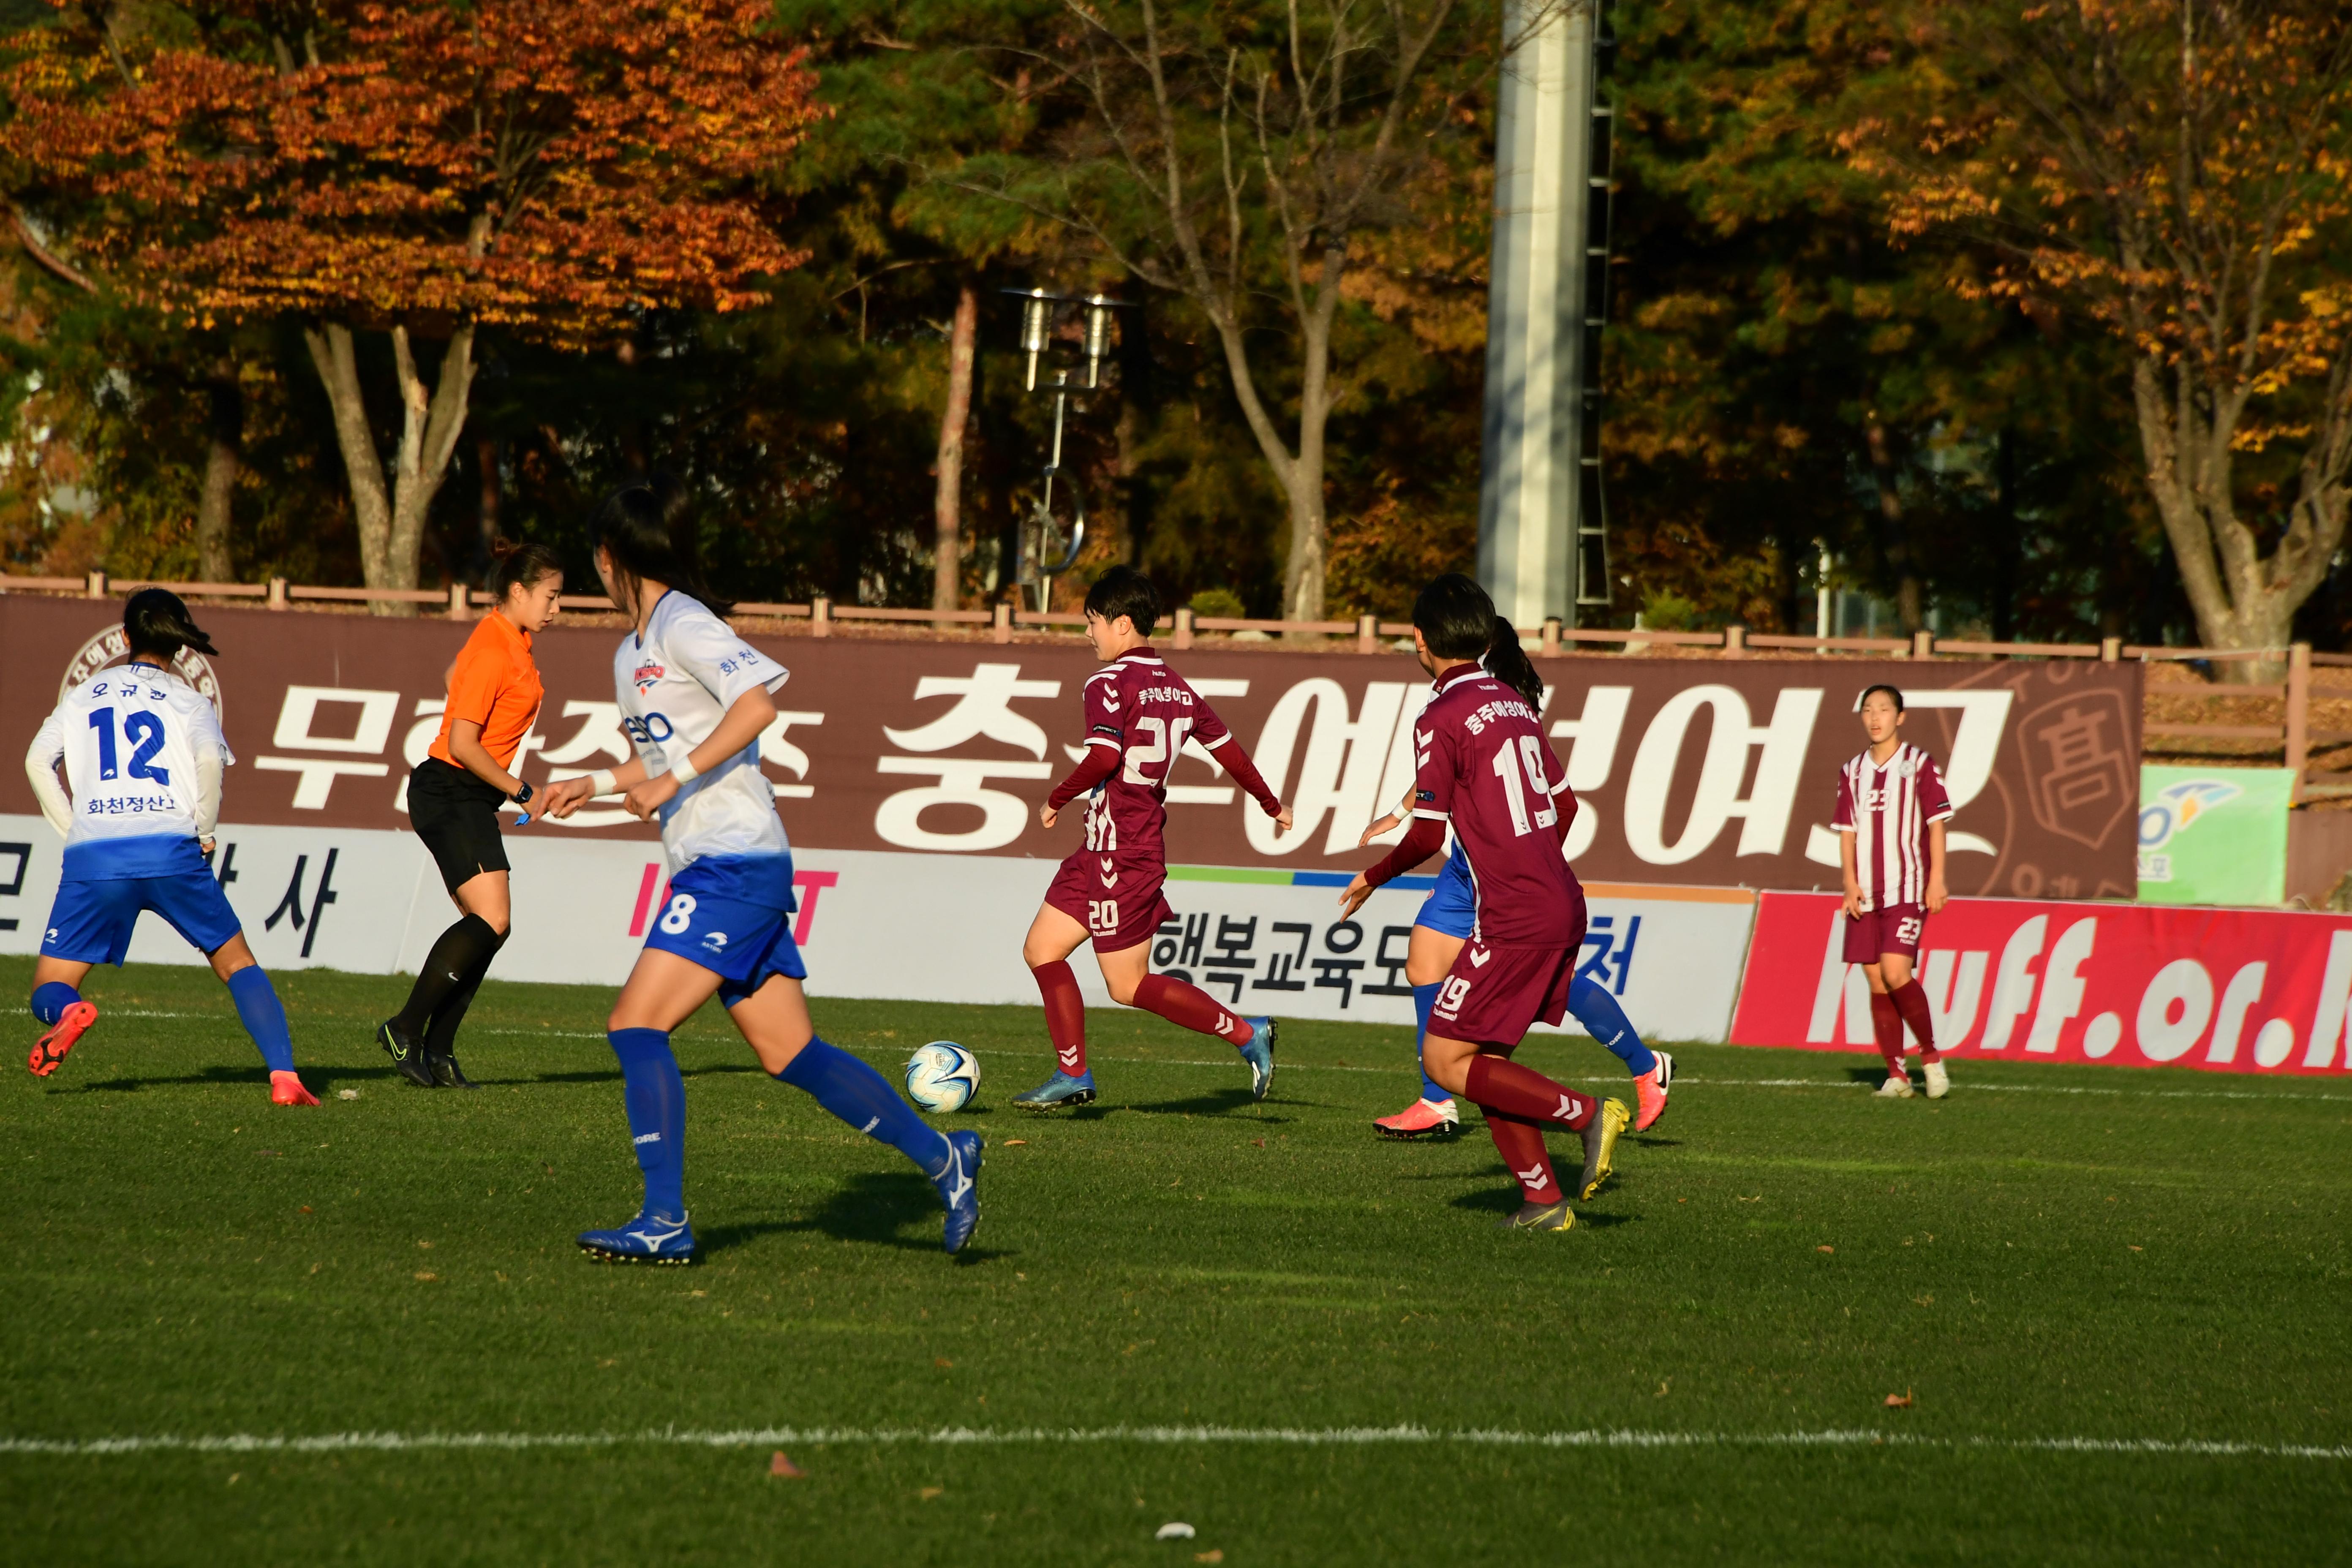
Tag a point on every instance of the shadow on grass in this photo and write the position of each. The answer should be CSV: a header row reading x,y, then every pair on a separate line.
x,y
317,1077
1214,1103
875,1208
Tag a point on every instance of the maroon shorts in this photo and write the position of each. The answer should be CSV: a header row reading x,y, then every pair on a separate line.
x,y
1495,994
1119,902
1895,928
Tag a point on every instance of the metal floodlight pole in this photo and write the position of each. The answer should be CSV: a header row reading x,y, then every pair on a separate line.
x,y
1038,309
1542,527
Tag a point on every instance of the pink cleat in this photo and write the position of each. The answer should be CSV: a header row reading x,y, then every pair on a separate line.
x,y
1651,1088
1421,1119
53,1046
286,1089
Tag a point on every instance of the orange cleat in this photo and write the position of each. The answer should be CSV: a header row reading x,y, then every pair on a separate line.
x,y
1421,1119
1651,1089
286,1089
53,1046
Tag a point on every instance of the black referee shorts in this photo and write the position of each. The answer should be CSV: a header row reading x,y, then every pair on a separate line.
x,y
457,815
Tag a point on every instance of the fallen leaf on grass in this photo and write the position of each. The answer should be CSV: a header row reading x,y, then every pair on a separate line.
x,y
1213,1555
1016,1143
347,1094
927,1493
1899,1401
1174,1529
941,1361
781,1465
428,1277
2134,1248
1825,1249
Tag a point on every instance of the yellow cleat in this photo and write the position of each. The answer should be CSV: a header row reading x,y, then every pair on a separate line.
x,y
1601,1145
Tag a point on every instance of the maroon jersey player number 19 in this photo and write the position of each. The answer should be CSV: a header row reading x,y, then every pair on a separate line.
x,y
1140,715
1484,767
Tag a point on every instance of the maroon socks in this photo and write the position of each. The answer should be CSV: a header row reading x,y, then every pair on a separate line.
x,y
1191,1007
1521,1145
1065,1015
1886,1028
1911,1003
1498,1083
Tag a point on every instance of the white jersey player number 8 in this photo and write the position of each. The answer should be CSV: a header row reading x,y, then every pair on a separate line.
x,y
1527,753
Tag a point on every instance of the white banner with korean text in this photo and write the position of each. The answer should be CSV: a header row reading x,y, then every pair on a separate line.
x,y
917,927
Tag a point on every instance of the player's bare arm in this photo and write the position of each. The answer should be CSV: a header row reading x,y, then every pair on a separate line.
x,y
1853,876
465,745
752,713
1404,809
563,799
1937,895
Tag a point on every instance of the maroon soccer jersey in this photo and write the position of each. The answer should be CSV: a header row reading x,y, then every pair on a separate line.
x,y
1887,809
1486,766
1140,714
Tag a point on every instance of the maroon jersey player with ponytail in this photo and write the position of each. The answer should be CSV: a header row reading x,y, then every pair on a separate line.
x,y
1139,716
1484,767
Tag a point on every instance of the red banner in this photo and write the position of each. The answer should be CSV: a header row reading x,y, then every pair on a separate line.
x,y
2131,985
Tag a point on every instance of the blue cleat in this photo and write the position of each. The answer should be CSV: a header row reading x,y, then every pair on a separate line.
x,y
959,1187
649,1238
1059,1090
1259,1053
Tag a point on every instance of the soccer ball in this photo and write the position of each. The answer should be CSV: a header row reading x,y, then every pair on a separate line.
x,y
942,1078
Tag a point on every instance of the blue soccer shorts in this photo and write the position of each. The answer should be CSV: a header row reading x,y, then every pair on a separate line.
x,y
742,941
91,922
1452,907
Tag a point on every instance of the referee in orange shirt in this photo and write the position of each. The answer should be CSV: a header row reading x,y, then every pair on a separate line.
x,y
454,797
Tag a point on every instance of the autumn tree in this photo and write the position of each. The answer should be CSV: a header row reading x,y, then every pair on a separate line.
x,y
2181,173
1241,157
556,168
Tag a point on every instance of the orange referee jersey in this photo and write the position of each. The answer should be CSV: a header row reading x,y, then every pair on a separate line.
x,y
495,685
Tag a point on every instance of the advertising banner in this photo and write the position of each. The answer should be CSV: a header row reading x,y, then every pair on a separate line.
x,y
1706,772
2129,984
2213,836
895,925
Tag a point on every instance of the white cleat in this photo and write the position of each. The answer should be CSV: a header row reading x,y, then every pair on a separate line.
x,y
1939,1082
1897,1087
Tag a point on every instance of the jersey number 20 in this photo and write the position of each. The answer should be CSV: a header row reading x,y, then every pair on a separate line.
x,y
1167,740
143,730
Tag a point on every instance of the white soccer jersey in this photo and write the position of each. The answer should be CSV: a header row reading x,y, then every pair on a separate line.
x,y
674,685
130,737
1887,809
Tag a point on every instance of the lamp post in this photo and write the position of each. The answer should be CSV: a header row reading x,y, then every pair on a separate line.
x,y
1043,528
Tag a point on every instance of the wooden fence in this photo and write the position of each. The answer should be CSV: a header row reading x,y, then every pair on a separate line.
x,y
2253,735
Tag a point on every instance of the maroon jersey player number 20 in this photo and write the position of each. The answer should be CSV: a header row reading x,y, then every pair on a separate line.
x,y
1140,715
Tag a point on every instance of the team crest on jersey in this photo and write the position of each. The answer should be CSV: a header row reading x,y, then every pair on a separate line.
x,y
648,675
111,647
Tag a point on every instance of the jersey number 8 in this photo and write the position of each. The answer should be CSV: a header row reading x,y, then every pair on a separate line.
x,y
679,915
146,734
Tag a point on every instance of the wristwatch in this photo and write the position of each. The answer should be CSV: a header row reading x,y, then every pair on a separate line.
x,y
522,796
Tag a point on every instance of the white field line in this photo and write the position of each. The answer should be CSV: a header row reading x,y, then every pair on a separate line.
x,y
1971,1085
1292,1437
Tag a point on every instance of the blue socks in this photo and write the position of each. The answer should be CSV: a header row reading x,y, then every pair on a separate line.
x,y
1605,1021
1424,997
50,1001
263,1017
655,1097
864,1097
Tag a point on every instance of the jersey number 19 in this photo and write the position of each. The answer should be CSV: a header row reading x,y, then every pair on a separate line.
x,y
1527,753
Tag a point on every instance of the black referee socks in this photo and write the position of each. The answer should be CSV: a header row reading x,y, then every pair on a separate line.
x,y
453,970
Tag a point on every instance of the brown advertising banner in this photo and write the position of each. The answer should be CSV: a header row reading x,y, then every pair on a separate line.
x,y
1714,771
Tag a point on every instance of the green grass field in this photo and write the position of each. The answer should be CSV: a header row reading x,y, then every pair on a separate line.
x,y
2145,1262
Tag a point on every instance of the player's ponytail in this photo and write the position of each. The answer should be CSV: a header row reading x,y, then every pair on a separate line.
x,y
1508,662
155,623
523,567
636,527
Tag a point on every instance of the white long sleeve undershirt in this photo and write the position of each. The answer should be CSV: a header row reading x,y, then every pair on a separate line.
x,y
42,770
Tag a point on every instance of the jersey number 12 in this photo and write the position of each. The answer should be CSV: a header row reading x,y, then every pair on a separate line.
x,y
143,730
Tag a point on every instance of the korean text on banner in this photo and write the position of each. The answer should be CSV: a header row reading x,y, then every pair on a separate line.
x,y
2127,984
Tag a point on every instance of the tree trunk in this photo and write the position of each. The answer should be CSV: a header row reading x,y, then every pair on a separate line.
x,y
337,361
1895,533
224,456
488,495
947,507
